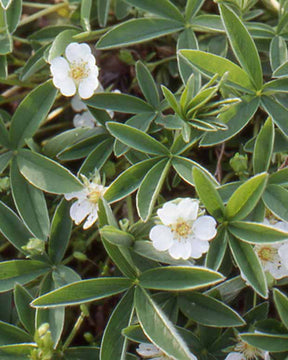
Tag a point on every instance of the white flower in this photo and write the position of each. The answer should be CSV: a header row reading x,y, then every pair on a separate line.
x,y
85,119
86,205
183,232
274,257
149,351
244,351
77,72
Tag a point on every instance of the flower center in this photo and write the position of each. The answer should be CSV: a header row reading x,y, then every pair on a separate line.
x,y
267,253
250,352
79,71
181,229
94,196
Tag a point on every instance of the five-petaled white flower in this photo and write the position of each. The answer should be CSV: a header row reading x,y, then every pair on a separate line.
x,y
150,351
274,257
244,351
183,232
86,205
84,118
77,72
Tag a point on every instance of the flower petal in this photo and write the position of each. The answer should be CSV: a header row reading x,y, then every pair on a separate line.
x,y
188,209
77,104
75,51
66,86
235,356
84,120
87,87
91,219
79,210
59,67
162,237
180,250
147,350
80,195
204,227
168,213
199,247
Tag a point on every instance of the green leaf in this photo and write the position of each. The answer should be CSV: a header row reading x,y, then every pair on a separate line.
x,y
147,84
184,168
129,180
277,111
60,232
208,311
255,233
22,299
13,228
5,3
162,8
210,64
136,31
217,249
103,11
236,118
114,344
243,45
83,291
281,302
61,41
4,160
246,197
10,334
277,52
136,139
264,147
30,203
6,44
281,71
171,100
150,188
275,198
279,177
31,113
4,135
188,40
208,194
158,328
116,236
20,271
268,342
249,265
13,14
54,317
192,8
46,174
34,64
179,278
85,13
119,102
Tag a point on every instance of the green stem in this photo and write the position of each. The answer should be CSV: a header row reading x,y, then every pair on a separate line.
x,y
91,35
41,13
254,299
74,331
130,212
153,65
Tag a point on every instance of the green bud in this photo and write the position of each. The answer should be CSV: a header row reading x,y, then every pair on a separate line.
x,y
34,246
124,224
79,256
4,184
89,337
239,164
84,309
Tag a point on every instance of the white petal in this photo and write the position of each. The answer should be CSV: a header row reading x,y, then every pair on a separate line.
x,y
59,67
84,120
168,213
235,356
180,250
79,210
75,52
283,253
93,216
147,350
87,87
266,355
66,86
77,104
204,227
188,209
76,194
161,236
199,247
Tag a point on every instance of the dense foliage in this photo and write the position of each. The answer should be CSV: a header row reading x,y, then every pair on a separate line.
x,y
144,206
